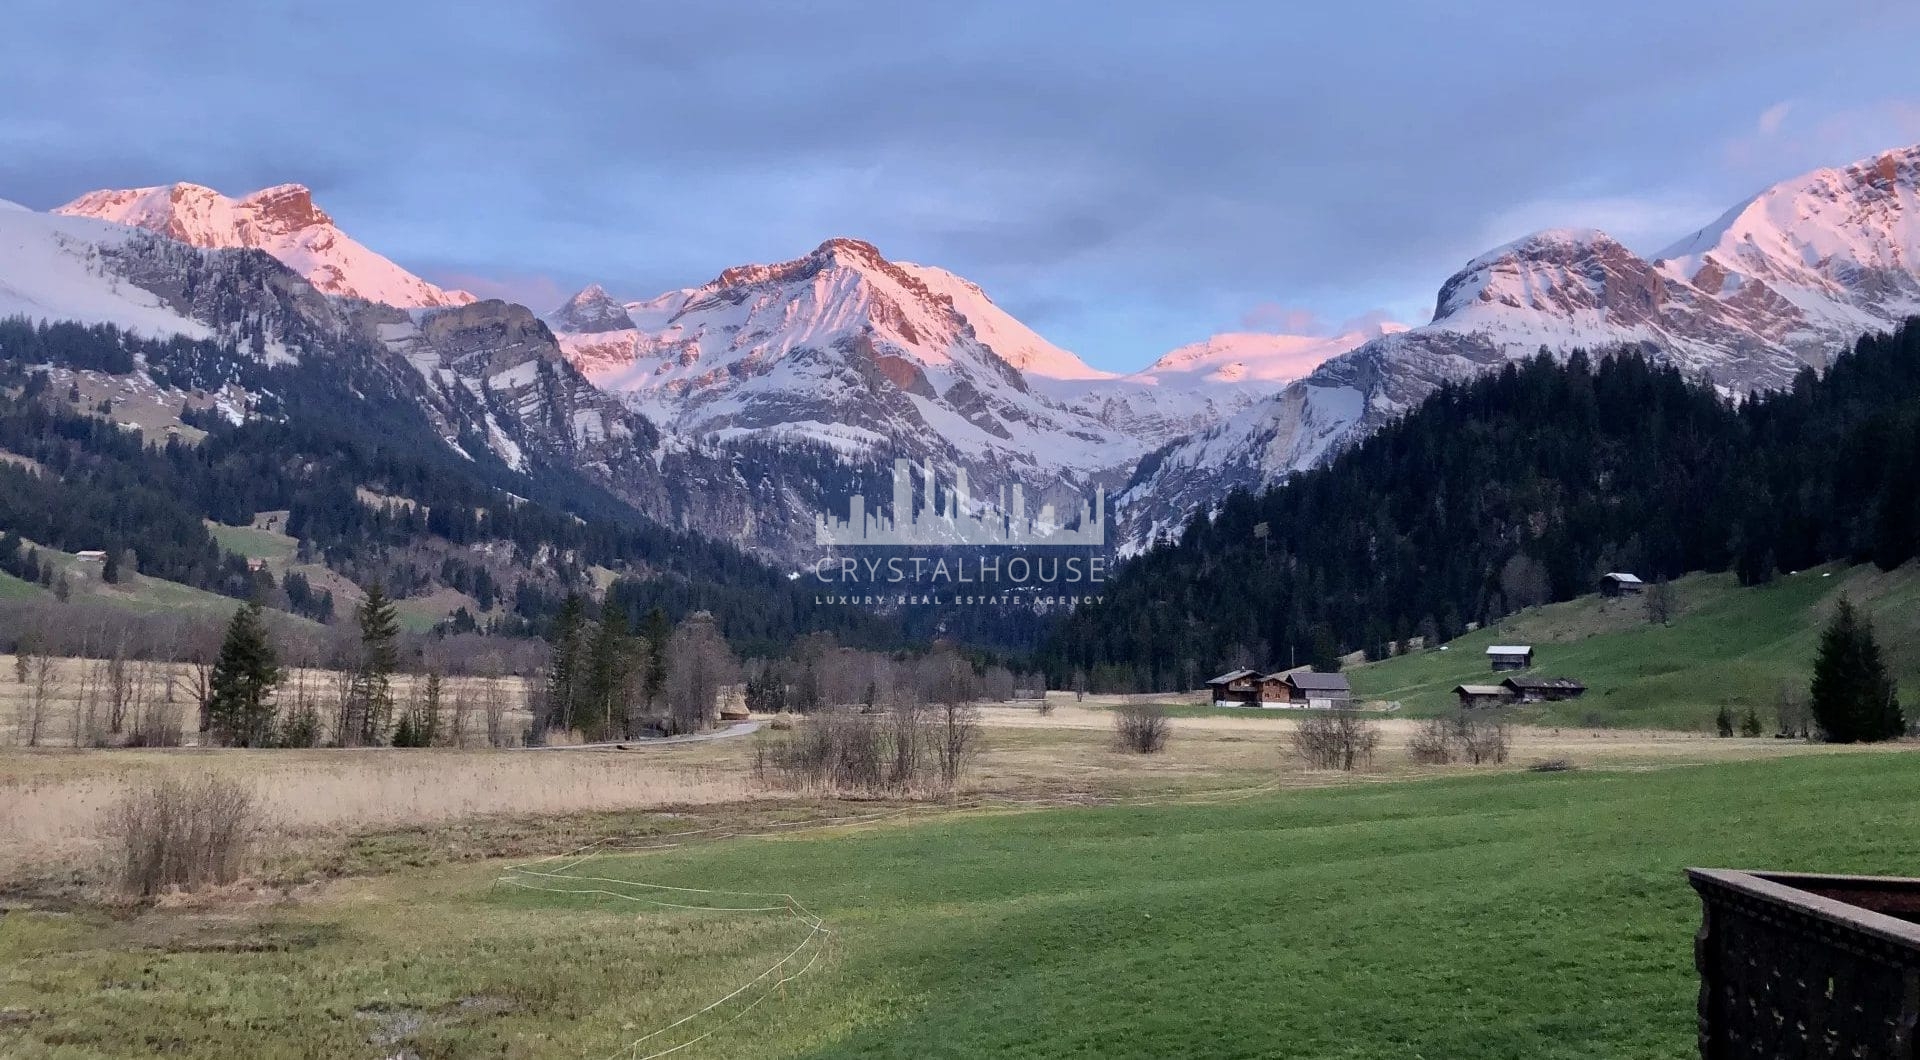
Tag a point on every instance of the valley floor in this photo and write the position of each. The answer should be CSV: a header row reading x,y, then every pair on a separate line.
x,y
1073,901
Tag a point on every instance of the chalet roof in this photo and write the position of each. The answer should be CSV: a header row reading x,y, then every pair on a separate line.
x,y
1308,681
1480,690
1544,684
1621,577
1230,676
1510,649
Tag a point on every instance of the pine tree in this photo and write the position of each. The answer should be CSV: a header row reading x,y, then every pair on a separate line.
x,y
607,674
565,669
240,708
1854,698
657,633
379,658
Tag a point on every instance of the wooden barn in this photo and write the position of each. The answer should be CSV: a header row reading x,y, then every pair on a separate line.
x,y
1235,688
1474,696
1543,689
1511,656
1620,583
1274,691
1319,691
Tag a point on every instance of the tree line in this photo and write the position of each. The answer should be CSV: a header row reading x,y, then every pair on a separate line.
x,y
1517,488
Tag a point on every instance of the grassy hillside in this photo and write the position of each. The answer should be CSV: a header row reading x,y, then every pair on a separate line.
x,y
1725,645
1509,915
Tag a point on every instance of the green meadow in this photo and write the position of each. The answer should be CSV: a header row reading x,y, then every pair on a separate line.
x,y
1725,645
1487,915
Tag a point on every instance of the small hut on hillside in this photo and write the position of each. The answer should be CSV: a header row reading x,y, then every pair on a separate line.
x,y
1620,583
1544,689
1473,696
1510,656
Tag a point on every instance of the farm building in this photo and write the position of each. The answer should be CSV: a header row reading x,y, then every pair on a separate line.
x,y
1543,689
1618,583
1472,696
91,555
1235,688
1510,656
1274,691
1320,691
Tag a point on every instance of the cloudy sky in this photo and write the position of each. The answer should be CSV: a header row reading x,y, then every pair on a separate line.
x,y
1124,176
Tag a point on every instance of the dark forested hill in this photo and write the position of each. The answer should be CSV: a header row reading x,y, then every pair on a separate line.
x,y
1520,488
371,490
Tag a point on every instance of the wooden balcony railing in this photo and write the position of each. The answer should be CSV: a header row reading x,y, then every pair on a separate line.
x,y
1795,965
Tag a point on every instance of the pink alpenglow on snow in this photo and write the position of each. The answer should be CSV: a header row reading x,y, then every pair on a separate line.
x,y
281,220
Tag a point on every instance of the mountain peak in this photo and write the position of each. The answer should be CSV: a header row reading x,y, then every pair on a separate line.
x,y
846,247
1855,227
282,220
286,207
591,311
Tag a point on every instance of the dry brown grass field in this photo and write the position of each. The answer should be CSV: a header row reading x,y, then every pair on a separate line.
x,y
55,798
76,689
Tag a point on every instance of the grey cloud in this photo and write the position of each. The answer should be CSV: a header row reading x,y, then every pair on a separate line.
x,y
1146,171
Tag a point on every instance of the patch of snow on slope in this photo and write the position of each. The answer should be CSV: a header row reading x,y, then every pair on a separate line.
x,y
51,269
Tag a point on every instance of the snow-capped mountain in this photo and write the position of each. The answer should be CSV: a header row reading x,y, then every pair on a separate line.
x,y
55,268
846,350
281,220
732,407
1781,282
1812,262
488,377
1258,357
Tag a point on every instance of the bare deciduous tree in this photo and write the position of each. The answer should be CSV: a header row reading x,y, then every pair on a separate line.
x,y
46,684
1335,740
699,664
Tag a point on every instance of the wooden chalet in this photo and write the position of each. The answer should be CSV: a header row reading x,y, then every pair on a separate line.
x,y
1543,689
1511,656
1319,691
1235,688
1474,696
1620,583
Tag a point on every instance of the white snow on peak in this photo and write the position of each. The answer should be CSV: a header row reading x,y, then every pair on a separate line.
x,y
1816,241
51,269
1015,342
283,221
9,204
1252,356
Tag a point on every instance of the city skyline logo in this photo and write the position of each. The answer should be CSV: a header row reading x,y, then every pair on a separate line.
x,y
954,520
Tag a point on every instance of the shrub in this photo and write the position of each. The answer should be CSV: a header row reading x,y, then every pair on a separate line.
x,y
1142,728
181,833
1432,743
1723,721
845,749
1335,740
1550,765
1484,740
